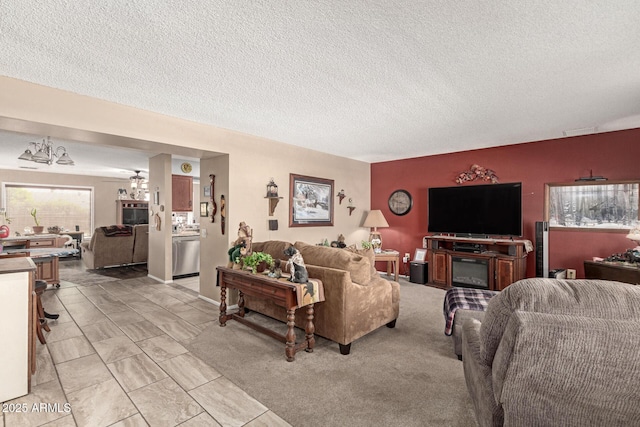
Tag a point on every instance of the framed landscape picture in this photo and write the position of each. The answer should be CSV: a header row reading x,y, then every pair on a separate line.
x,y
310,201
593,205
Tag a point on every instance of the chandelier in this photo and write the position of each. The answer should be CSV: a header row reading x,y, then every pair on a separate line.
x,y
45,152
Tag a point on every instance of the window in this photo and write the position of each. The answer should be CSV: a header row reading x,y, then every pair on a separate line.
x,y
64,206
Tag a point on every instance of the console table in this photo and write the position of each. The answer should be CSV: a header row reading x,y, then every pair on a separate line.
x,y
612,271
498,262
283,293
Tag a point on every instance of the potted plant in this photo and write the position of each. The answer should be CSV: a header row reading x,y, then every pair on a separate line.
x,y
257,261
37,229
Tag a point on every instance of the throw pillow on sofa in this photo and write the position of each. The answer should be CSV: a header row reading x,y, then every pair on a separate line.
x,y
368,254
358,266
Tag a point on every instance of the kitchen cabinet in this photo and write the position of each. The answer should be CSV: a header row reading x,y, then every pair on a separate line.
x,y
182,193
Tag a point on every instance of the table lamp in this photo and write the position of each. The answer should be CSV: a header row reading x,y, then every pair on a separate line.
x,y
634,236
375,219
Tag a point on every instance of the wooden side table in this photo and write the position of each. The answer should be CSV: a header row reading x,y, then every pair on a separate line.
x,y
612,271
392,258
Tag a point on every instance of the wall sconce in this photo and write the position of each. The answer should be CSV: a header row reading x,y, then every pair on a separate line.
x,y
350,207
341,195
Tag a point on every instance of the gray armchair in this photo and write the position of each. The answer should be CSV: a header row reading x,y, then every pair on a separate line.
x,y
556,353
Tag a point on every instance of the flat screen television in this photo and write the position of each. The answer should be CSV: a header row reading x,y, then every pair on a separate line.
x,y
489,210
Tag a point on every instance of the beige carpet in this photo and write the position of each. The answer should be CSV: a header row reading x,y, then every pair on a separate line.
x,y
406,376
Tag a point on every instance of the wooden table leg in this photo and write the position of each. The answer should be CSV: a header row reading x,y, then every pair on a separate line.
x,y
309,330
240,303
223,305
290,348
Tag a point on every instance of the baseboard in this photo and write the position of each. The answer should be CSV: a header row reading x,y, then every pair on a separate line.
x,y
164,282
214,302
209,300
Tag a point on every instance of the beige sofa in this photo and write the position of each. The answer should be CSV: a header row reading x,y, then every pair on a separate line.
x,y
108,251
357,299
556,353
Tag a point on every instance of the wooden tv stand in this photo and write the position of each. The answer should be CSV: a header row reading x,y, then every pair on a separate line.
x,y
506,259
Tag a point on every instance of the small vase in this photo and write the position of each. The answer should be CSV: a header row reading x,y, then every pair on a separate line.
x,y
4,231
37,229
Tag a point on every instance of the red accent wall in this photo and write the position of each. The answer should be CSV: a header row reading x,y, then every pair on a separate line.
x,y
614,155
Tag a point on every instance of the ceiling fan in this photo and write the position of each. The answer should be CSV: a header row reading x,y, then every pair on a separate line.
x,y
137,177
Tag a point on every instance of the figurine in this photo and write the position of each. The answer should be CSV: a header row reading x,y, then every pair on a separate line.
x,y
296,266
275,272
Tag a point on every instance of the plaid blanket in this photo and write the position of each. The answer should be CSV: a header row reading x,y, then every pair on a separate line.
x,y
464,299
117,230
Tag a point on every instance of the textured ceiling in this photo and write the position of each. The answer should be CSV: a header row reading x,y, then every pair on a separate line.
x,y
368,80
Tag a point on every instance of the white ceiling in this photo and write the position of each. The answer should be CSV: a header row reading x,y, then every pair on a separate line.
x,y
368,80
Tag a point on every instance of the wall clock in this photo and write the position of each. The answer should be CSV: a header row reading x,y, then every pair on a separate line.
x,y
400,202
186,167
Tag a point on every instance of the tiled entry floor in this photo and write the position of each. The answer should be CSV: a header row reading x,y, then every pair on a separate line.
x,y
114,357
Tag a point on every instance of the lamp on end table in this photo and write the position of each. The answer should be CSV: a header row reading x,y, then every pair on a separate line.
x,y
375,219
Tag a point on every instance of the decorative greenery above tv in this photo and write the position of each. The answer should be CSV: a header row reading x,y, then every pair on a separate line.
x,y
482,210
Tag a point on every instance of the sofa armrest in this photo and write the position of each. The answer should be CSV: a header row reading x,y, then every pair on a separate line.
x,y
577,370
477,375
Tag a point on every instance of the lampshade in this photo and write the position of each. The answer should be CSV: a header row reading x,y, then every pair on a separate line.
x,y
634,236
375,219
65,160
27,155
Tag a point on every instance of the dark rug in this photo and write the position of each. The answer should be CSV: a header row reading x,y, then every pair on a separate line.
x,y
80,276
406,376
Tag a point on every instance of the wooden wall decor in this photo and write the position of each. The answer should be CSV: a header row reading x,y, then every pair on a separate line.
x,y
223,213
476,173
214,207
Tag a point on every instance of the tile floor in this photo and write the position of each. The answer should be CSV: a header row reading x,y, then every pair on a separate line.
x,y
114,358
